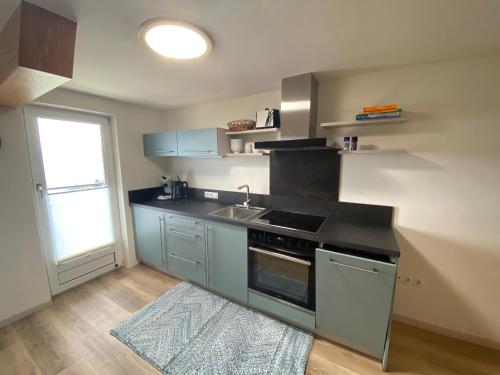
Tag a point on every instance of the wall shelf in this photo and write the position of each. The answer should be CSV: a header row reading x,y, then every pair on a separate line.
x,y
254,131
363,123
245,154
372,152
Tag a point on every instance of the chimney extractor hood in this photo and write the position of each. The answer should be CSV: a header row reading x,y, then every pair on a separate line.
x,y
299,102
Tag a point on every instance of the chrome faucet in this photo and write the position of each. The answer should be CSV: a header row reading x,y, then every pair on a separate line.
x,y
247,202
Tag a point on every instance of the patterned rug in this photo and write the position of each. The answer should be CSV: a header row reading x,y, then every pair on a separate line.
x,y
192,331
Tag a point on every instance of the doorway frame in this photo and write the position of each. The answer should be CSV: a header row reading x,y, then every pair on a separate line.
x,y
112,172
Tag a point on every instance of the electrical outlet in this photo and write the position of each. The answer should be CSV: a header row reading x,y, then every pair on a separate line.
x,y
415,282
408,280
211,195
403,279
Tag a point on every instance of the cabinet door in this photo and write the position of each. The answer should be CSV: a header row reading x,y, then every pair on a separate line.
x,y
198,142
227,259
354,300
149,236
160,144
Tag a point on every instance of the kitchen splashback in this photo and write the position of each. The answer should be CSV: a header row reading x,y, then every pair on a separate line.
x,y
311,174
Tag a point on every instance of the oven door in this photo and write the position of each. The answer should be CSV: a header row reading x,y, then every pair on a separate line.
x,y
283,276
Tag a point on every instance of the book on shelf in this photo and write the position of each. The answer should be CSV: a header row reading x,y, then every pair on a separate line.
x,y
378,115
380,108
384,111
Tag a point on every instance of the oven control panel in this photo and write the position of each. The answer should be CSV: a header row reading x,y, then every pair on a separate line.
x,y
279,241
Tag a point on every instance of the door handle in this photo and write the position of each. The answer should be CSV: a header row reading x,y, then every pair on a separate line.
x,y
332,261
162,151
278,255
160,219
210,260
39,188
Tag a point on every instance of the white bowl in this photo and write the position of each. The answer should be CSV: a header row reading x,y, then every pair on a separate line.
x,y
237,145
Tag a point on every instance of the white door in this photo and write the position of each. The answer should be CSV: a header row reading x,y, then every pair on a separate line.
x,y
75,193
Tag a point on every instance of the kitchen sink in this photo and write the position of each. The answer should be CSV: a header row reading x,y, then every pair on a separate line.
x,y
237,212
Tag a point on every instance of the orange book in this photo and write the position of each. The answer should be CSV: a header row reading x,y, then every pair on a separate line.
x,y
384,111
380,108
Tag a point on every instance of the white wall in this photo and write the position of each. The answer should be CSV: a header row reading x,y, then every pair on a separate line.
x,y
445,189
227,173
23,280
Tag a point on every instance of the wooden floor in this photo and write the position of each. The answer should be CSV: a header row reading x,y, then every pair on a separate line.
x,y
71,336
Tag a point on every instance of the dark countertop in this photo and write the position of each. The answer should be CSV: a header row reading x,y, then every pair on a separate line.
x,y
368,237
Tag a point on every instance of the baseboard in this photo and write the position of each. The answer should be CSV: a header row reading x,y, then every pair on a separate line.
x,y
24,314
448,332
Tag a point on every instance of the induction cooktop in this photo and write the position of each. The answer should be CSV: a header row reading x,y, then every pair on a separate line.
x,y
292,221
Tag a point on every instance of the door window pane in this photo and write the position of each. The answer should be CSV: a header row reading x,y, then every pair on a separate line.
x,y
72,153
80,222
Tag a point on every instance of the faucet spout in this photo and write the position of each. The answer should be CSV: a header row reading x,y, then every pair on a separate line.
x,y
247,202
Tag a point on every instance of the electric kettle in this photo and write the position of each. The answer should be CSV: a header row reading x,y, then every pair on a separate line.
x,y
179,189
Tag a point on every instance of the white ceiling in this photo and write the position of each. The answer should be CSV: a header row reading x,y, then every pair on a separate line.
x,y
257,42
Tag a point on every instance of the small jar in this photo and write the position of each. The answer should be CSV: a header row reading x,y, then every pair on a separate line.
x,y
347,143
354,143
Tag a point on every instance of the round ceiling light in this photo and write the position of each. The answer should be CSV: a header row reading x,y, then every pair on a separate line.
x,y
175,39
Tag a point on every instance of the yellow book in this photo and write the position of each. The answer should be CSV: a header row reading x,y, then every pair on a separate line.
x,y
384,111
380,108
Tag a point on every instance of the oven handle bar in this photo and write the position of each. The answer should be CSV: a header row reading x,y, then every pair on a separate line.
x,y
278,255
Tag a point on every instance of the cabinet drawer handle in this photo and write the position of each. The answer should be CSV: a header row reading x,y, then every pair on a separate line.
x,y
184,221
183,234
184,259
332,261
200,151
162,151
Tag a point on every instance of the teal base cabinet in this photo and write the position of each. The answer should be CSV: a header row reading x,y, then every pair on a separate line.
x,y
186,248
354,295
354,300
150,236
227,259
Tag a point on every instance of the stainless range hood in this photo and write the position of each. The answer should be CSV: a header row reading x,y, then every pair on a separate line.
x,y
299,103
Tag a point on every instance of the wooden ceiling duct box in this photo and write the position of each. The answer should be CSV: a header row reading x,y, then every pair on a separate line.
x,y
37,50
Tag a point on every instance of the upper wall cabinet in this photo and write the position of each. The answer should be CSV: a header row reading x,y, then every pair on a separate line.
x,y
203,142
36,54
160,144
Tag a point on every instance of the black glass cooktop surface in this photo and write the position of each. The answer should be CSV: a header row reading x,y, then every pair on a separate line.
x,y
292,220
